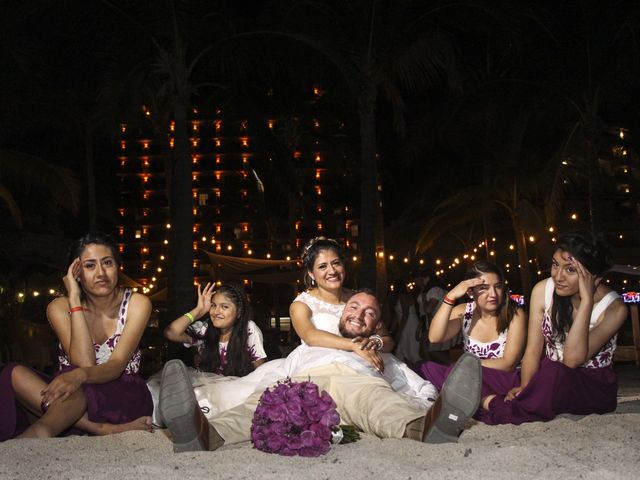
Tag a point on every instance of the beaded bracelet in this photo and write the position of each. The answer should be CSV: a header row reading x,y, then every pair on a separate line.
x,y
190,317
378,340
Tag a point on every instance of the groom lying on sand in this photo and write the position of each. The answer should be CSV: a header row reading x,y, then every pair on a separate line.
x,y
366,401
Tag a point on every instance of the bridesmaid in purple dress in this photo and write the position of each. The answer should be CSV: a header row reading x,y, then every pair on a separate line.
x,y
99,326
493,329
573,324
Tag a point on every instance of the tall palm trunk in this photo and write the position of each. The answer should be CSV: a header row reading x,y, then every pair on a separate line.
x,y
181,279
521,242
371,236
591,157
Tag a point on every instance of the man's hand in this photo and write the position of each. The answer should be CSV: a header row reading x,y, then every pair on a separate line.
x,y
369,354
367,343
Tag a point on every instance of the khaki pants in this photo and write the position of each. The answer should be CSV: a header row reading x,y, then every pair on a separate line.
x,y
367,402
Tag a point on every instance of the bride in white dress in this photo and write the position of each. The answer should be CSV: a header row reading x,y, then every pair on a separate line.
x,y
315,315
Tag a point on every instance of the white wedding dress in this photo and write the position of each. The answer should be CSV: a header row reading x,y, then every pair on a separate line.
x,y
216,393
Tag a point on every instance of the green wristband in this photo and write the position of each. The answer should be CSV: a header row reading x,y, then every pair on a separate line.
x,y
190,317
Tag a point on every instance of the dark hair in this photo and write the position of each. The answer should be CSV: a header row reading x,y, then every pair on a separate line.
x,y
507,308
595,254
78,246
98,238
311,251
239,362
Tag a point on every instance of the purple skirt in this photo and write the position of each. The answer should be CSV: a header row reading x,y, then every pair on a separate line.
x,y
494,382
119,401
555,389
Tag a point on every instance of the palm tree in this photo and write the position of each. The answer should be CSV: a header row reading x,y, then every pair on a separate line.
x,y
381,50
26,169
597,68
165,70
511,187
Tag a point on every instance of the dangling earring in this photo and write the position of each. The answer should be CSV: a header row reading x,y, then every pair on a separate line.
x,y
313,282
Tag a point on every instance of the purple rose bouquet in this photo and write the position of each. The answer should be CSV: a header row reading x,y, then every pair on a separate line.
x,y
294,418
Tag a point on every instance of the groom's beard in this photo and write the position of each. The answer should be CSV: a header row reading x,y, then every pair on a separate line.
x,y
348,334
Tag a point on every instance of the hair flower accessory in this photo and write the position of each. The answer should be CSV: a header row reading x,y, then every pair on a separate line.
x,y
295,418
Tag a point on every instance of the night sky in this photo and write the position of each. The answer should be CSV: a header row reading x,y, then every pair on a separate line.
x,y
71,65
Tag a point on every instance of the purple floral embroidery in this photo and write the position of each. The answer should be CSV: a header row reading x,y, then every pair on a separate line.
x,y
554,349
104,350
493,349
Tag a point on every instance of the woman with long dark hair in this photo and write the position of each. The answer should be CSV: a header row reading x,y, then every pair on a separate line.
x,y
573,324
316,311
493,328
220,327
99,326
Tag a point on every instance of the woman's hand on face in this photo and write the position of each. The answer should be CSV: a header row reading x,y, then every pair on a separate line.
x,y
463,287
204,298
587,282
513,393
62,387
72,279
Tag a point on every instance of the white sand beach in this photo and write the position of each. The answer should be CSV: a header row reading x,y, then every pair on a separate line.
x,y
592,447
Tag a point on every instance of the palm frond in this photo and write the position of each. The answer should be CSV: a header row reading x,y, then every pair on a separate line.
x,y
61,182
11,204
